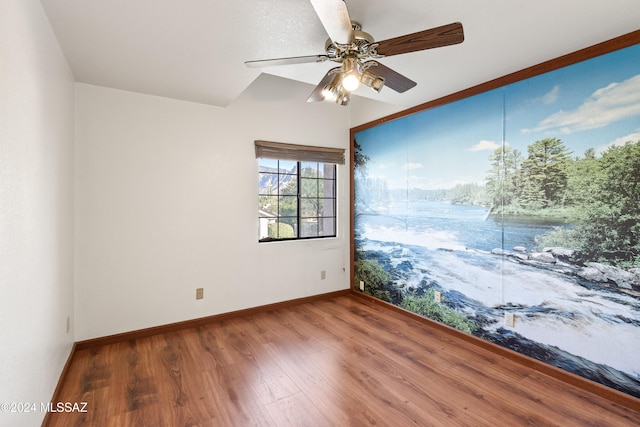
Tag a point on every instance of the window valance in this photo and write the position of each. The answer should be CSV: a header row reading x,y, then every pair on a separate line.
x,y
301,153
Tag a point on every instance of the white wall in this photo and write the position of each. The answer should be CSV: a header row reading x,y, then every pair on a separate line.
x,y
365,110
36,208
167,202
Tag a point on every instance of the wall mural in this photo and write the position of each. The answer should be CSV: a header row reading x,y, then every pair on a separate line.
x,y
521,200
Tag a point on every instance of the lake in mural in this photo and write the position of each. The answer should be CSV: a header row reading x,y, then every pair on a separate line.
x,y
522,200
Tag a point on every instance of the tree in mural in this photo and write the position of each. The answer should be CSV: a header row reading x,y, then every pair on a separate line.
x,y
581,184
544,173
537,182
609,227
359,160
467,194
504,176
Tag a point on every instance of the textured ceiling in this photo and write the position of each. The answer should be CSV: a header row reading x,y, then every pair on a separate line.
x,y
195,50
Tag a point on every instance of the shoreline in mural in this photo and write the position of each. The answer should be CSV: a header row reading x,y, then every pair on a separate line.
x,y
524,199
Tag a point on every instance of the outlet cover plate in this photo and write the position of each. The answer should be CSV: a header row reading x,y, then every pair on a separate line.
x,y
510,320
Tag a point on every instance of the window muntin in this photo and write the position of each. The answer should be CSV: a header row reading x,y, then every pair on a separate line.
x,y
297,200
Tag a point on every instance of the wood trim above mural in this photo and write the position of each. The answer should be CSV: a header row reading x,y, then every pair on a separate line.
x,y
608,46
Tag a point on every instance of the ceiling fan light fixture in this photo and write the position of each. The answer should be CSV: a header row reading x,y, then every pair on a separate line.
x,y
343,98
331,91
371,80
350,76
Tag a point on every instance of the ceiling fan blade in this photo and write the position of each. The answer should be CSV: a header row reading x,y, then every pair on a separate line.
x,y
286,61
335,18
392,79
428,39
316,95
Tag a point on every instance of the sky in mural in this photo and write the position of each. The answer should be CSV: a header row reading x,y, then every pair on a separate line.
x,y
592,104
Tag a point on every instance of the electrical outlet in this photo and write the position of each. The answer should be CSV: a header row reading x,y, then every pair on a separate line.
x,y
199,293
510,320
323,275
361,285
437,296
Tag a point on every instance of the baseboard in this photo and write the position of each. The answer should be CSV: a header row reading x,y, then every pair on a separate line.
x,y
172,327
560,374
56,392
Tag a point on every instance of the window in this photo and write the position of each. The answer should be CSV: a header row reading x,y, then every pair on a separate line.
x,y
296,191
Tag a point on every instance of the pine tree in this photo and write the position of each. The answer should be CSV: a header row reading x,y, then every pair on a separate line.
x,y
545,172
504,176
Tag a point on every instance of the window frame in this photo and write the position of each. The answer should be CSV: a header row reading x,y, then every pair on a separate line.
x,y
301,217
299,155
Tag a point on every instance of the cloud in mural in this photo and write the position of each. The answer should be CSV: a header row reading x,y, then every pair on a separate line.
x,y
633,137
485,145
409,166
617,101
551,96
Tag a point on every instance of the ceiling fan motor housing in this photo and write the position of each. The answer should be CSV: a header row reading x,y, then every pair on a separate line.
x,y
359,48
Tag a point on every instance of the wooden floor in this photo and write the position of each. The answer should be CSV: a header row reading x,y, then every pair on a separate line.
x,y
333,362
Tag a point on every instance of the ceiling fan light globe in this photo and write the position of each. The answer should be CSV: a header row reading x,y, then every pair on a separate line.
x,y
377,84
330,92
343,99
350,82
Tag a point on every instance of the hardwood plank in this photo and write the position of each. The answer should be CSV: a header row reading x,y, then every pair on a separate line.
x,y
296,411
336,361
316,384
233,399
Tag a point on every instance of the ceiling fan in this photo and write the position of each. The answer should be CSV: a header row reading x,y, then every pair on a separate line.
x,y
358,54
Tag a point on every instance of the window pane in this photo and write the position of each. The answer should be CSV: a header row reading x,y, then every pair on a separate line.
x,y
327,170
289,185
288,166
267,206
327,188
309,169
268,183
309,187
308,208
289,226
281,230
309,227
327,207
288,206
293,222
327,227
267,165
